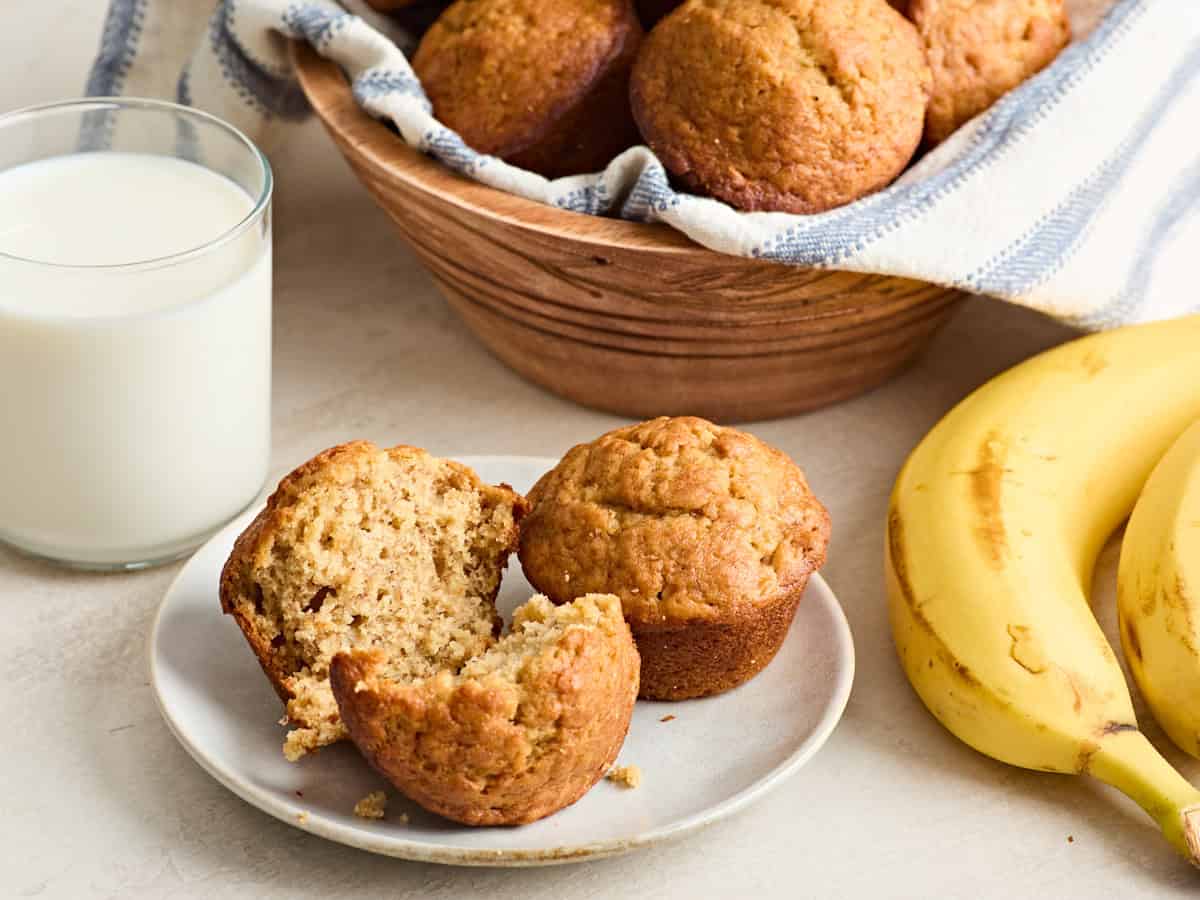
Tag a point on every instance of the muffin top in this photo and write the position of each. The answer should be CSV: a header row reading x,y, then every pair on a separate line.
x,y
682,519
792,105
502,72
980,49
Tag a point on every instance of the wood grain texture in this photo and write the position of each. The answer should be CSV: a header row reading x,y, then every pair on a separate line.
x,y
626,317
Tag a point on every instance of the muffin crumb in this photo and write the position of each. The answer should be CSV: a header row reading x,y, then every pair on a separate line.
x,y
667,719
628,777
372,806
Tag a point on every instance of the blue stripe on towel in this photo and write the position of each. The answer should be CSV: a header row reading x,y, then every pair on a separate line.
x,y
118,47
454,152
270,94
1182,199
314,24
1038,254
375,83
650,194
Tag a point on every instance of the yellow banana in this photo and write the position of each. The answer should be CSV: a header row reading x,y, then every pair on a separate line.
x,y
994,527
1158,592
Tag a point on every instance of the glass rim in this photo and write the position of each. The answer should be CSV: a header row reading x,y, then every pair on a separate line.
x,y
85,104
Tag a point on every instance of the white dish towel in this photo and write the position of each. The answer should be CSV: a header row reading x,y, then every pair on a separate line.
x,y
1077,194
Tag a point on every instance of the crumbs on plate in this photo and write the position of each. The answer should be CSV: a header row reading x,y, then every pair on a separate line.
x,y
626,776
372,806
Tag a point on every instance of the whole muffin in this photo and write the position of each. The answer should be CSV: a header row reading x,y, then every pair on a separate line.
x,y
365,547
790,105
981,49
707,535
517,734
542,84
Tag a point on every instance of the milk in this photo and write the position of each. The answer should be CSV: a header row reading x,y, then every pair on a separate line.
x,y
134,383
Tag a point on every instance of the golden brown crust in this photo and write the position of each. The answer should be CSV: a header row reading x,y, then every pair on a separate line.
x,y
979,50
827,104
540,83
705,533
241,593
700,659
483,750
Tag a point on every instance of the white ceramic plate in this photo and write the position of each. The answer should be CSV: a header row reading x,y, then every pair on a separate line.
x,y
715,756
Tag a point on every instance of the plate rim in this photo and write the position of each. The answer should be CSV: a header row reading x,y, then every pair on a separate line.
x,y
292,814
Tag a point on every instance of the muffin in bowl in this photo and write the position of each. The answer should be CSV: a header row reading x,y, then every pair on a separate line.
x,y
979,50
787,105
543,84
517,733
365,547
706,534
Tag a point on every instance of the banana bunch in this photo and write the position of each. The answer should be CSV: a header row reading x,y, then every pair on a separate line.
x,y
994,527
1158,592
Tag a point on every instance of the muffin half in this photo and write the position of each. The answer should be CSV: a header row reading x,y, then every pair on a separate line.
x,y
706,534
518,733
365,548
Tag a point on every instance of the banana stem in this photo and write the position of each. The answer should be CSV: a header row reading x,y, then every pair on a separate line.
x,y
1127,761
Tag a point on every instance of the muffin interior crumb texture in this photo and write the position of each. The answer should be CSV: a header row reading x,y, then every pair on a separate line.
x,y
394,551
537,630
372,806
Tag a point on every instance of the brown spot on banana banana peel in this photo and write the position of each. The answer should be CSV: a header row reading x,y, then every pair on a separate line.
x,y
1177,605
1093,363
1150,601
986,487
1078,704
899,566
1026,650
1132,641
1086,751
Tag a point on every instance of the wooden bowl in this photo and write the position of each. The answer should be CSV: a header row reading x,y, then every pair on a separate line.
x,y
627,317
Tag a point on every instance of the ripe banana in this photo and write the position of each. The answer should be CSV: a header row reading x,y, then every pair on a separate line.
x,y
1158,592
994,527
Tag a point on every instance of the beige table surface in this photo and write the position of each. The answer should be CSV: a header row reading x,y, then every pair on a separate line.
x,y
97,799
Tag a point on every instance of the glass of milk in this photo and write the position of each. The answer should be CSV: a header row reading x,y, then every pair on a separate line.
x,y
135,329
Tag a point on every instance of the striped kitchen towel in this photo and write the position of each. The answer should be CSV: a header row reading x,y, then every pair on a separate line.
x,y
1077,194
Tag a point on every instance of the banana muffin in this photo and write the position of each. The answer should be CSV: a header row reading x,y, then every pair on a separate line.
x,y
981,49
706,534
520,732
394,550
790,105
542,84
